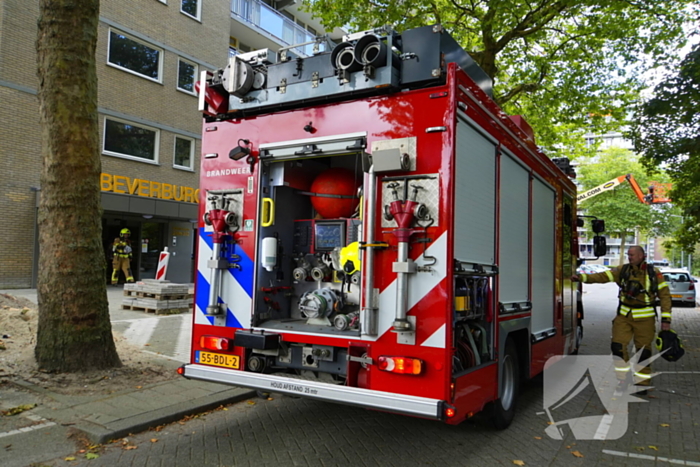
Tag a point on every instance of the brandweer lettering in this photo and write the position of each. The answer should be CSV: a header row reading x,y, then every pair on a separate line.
x,y
224,172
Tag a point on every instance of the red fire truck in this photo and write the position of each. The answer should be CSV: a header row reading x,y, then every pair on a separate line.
x,y
375,231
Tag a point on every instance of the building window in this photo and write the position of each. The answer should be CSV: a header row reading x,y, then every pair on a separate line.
x,y
184,152
191,8
186,75
135,56
122,138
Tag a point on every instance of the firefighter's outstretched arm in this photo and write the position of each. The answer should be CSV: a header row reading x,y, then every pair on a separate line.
x,y
610,275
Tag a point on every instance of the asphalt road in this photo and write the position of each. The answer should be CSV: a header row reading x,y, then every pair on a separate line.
x,y
662,430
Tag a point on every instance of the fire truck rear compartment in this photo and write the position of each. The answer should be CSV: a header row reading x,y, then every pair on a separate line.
x,y
307,361
301,284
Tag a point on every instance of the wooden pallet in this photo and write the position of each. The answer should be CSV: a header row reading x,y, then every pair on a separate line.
x,y
164,296
157,311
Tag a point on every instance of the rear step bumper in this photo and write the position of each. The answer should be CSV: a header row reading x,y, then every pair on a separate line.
x,y
386,401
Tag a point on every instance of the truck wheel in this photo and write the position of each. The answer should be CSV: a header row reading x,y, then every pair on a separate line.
x,y
504,408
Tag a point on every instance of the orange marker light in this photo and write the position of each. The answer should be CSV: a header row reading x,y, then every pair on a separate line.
x,y
450,412
401,365
214,343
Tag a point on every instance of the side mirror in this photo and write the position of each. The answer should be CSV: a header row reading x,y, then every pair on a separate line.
x,y
598,225
600,248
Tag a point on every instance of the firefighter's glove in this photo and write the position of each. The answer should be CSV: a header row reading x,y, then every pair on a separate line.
x,y
665,324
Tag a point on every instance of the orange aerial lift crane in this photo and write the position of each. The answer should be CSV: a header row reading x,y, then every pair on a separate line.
x,y
656,193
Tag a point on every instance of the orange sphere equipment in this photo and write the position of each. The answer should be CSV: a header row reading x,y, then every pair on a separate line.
x,y
335,182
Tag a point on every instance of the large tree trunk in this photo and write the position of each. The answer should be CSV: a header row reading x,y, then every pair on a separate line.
x,y
623,243
74,332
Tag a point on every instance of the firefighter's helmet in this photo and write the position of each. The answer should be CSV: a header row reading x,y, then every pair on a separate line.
x,y
125,232
670,344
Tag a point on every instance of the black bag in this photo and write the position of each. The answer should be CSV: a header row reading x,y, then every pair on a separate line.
x,y
670,345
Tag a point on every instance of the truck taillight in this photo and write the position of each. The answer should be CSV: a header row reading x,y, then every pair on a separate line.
x,y
214,343
402,365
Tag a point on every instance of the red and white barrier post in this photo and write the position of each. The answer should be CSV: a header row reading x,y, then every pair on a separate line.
x,y
162,264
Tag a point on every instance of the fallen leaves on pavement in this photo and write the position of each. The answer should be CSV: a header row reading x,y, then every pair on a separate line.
x,y
17,410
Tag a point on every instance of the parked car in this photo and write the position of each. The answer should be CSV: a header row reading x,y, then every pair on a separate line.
x,y
591,268
681,284
586,269
598,267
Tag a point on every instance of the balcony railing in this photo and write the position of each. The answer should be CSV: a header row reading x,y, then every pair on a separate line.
x,y
270,20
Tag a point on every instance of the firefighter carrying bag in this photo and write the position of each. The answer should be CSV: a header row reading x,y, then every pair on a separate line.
x,y
670,344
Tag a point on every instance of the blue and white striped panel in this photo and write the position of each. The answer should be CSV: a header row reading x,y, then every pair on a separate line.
x,y
236,286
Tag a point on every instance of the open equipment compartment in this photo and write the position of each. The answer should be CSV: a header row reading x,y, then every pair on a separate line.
x,y
309,281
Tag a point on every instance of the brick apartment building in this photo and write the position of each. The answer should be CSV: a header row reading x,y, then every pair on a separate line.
x,y
149,55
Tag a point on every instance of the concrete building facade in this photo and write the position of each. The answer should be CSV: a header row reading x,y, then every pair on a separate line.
x,y
149,56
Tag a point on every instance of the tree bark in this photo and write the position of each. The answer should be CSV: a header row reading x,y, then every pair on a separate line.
x,y
74,331
623,243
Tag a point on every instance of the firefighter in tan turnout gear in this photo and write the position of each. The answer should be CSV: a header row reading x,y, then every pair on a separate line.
x,y
121,260
640,286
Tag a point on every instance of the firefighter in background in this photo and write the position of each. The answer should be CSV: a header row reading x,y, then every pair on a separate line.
x,y
640,286
121,259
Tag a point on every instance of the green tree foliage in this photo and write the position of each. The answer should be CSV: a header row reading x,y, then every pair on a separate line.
x,y
667,133
622,211
74,331
568,66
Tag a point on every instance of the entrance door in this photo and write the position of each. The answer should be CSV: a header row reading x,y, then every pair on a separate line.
x,y
180,244
151,244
